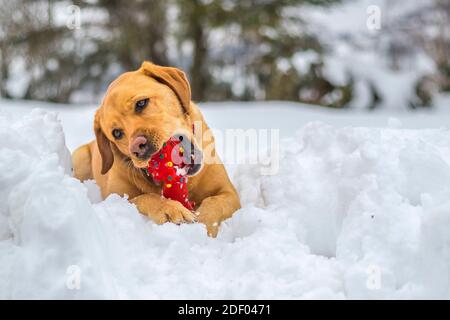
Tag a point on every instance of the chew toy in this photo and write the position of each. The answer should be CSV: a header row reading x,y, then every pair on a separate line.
x,y
168,166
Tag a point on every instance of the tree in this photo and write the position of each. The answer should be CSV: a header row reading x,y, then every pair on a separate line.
x,y
252,36
427,29
241,49
114,36
139,31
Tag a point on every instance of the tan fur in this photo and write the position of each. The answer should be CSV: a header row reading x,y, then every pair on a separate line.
x,y
82,155
108,160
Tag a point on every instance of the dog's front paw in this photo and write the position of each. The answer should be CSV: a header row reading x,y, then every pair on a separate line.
x,y
211,222
162,210
172,211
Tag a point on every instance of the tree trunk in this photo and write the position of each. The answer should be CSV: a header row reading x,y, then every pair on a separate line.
x,y
199,70
3,74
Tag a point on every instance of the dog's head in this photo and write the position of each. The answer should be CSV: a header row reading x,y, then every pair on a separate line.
x,y
140,111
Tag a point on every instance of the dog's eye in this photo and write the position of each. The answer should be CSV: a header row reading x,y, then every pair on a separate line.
x,y
140,105
117,133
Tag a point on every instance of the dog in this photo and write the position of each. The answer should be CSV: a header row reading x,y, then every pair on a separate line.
x,y
139,112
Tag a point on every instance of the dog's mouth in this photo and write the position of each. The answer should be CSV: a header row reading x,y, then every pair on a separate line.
x,y
190,163
192,169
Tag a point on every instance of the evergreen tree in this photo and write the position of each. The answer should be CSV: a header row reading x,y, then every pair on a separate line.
x,y
237,46
424,29
114,36
253,37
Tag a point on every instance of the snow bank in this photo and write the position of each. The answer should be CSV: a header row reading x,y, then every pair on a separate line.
x,y
353,212
374,200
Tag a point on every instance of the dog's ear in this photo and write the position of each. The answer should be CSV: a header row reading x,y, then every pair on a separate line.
x,y
104,145
174,78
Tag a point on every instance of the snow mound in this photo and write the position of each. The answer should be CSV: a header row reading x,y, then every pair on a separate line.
x,y
353,213
374,200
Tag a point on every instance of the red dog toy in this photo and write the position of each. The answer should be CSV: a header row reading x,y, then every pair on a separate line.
x,y
168,167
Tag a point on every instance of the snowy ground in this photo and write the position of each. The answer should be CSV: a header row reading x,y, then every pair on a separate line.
x,y
359,209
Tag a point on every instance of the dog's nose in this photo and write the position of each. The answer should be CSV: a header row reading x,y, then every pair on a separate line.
x,y
141,148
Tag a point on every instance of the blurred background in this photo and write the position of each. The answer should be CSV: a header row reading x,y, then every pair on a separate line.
x,y
333,53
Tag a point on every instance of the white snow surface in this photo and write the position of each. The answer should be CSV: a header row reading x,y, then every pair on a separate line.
x,y
355,211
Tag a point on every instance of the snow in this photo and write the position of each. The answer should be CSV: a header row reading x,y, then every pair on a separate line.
x,y
366,198
358,209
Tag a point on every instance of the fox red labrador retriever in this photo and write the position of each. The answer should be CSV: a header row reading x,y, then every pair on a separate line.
x,y
140,111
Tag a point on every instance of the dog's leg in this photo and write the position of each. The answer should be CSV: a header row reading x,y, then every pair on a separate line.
x,y
162,210
81,163
213,210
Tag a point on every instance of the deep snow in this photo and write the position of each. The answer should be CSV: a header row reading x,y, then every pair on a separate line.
x,y
355,212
